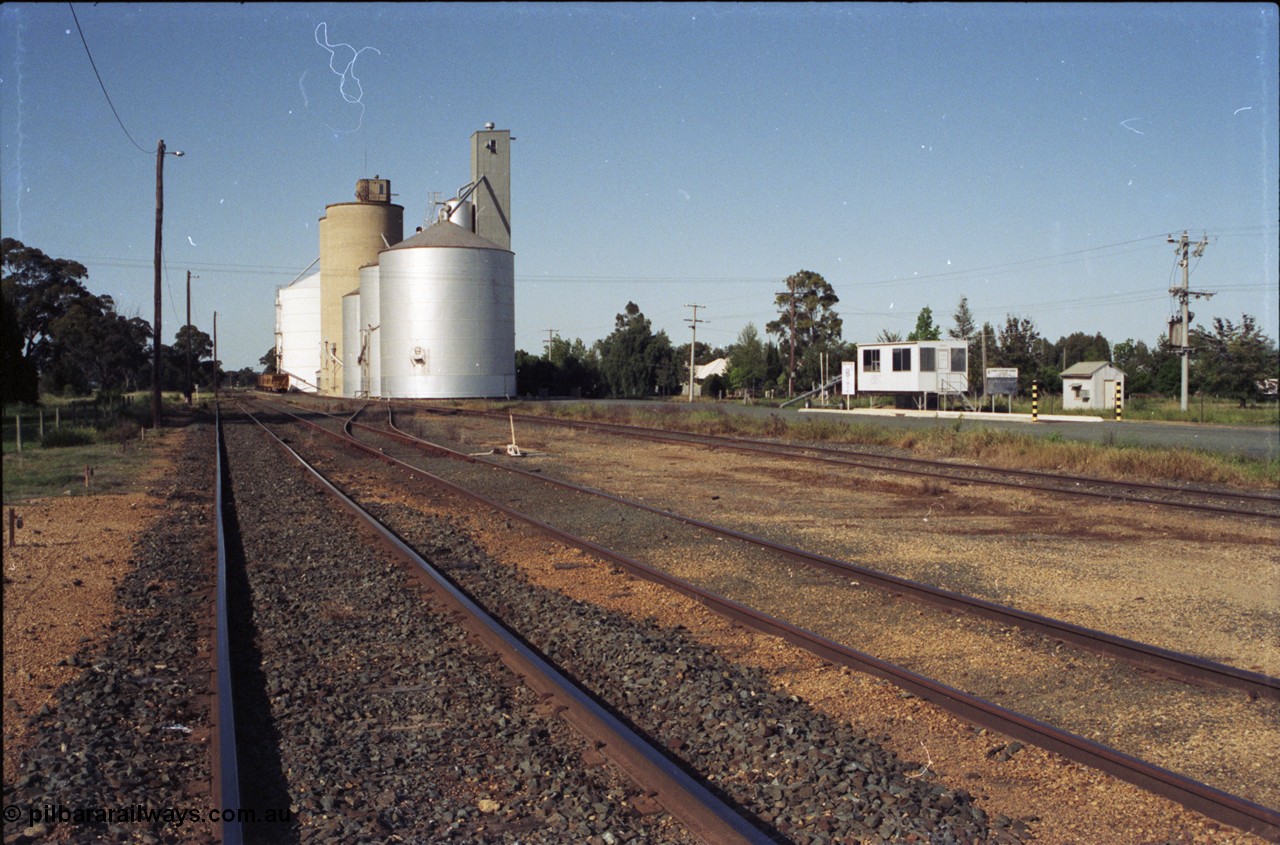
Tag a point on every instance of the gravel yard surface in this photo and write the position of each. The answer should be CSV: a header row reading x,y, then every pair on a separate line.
x,y
1076,552
811,778
105,665
106,659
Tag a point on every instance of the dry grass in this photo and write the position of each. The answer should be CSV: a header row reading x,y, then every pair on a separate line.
x,y
995,448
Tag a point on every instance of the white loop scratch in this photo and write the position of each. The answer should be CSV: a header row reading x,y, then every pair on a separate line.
x,y
1125,124
347,72
1237,111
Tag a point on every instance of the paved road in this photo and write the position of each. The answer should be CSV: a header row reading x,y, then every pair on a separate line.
x,y
1262,442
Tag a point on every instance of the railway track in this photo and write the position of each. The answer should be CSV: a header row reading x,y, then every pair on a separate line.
x,y
682,723
226,762
1212,802
1168,663
1201,499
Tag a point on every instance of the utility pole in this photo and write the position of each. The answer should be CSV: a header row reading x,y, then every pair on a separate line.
x,y
984,367
215,356
187,388
693,347
155,363
1183,247
551,333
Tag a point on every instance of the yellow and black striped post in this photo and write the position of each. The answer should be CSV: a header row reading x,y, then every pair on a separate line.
x,y
1035,401
1119,400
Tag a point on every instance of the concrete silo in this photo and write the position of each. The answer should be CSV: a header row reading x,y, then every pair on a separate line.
x,y
351,234
447,316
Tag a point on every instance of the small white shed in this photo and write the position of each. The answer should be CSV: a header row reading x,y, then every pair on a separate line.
x,y
1091,385
908,368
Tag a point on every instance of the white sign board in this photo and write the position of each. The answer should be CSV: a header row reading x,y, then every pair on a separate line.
x,y
849,378
1001,381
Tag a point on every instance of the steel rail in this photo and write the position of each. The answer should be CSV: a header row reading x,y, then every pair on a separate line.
x,y
1214,803
825,454
226,763
1166,662
704,814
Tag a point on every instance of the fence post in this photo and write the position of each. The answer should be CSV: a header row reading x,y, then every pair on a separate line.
x,y
42,423
1035,401
17,421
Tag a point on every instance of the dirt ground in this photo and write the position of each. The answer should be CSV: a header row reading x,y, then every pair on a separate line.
x,y
60,579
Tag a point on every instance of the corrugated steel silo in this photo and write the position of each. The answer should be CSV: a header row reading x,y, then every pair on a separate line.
x,y
352,344
351,234
447,315
371,367
298,330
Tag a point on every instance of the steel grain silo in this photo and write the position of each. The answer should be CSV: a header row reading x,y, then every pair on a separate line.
x,y
370,325
447,316
351,344
298,332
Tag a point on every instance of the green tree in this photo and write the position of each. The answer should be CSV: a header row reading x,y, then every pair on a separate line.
x,y
965,329
566,369
748,365
19,380
75,340
270,366
807,318
1166,368
577,372
634,362
1231,359
1019,345
1137,362
925,329
775,366
887,336
1078,346
175,358
89,346
39,288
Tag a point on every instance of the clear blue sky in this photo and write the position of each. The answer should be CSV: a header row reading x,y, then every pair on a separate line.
x,y
1030,157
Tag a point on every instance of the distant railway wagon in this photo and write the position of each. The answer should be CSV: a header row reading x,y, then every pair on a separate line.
x,y
274,382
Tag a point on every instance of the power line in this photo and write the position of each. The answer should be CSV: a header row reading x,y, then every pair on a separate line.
x,y
100,84
266,269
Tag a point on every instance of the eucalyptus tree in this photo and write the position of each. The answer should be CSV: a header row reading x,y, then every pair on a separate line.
x,y
806,319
